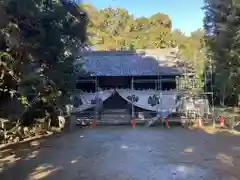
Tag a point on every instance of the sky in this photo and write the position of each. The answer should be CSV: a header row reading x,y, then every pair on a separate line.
x,y
186,15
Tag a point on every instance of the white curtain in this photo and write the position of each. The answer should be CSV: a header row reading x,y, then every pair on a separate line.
x,y
166,99
86,99
168,102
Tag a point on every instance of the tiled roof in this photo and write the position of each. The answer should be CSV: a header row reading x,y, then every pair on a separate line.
x,y
129,63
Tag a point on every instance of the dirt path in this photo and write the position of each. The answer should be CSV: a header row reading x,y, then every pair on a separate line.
x,y
121,153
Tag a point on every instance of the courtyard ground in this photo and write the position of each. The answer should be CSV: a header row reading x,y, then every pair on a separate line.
x,y
122,153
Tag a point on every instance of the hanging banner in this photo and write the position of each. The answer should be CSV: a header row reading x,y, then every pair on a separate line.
x,y
158,101
150,99
88,100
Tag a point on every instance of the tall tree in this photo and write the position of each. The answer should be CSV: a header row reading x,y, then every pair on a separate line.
x,y
221,26
40,40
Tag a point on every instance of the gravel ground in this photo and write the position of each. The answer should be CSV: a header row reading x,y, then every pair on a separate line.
x,y
122,153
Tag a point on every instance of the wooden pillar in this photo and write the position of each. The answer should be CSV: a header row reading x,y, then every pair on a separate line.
x,y
96,105
132,88
177,83
160,83
96,83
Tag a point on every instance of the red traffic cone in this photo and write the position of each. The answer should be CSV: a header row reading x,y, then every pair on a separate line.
x,y
166,123
133,123
222,122
94,123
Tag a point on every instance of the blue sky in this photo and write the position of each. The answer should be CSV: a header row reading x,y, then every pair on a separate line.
x,y
185,14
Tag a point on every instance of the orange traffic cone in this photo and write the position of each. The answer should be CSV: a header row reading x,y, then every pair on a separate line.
x,y
166,123
133,123
199,123
94,123
222,122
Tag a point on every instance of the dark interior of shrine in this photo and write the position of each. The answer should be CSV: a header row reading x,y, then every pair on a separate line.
x,y
125,82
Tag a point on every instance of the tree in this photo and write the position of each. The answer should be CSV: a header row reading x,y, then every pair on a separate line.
x,y
222,29
161,20
116,29
39,41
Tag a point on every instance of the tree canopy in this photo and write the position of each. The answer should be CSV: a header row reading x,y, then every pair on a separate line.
x,y
115,28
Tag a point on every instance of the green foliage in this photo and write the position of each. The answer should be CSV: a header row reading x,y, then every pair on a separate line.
x,y
39,41
222,20
116,29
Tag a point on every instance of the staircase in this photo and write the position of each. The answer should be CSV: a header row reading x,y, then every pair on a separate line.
x,y
115,117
